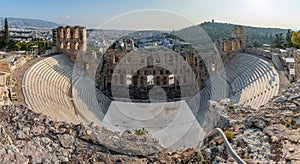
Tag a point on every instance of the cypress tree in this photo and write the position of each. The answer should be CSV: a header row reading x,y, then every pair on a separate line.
x,y
6,33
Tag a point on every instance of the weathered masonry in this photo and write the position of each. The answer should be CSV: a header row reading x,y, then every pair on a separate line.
x,y
69,40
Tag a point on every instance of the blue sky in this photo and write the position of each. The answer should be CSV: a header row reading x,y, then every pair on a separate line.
x,y
92,13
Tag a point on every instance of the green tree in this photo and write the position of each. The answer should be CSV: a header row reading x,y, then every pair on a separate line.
x,y
6,32
255,43
278,43
296,38
288,39
18,45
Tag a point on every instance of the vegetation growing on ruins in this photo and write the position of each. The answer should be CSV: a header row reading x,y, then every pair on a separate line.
x,y
140,132
231,106
229,135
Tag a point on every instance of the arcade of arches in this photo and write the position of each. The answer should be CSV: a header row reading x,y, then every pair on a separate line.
x,y
130,75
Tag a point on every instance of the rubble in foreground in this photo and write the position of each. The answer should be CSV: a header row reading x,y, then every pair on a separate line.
x,y
268,134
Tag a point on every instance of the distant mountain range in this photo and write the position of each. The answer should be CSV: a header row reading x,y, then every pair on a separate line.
x,y
258,35
28,23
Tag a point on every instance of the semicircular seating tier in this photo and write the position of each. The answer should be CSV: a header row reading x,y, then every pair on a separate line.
x,y
46,88
249,80
253,80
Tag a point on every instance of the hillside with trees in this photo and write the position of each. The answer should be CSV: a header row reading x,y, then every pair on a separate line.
x,y
7,44
258,35
28,23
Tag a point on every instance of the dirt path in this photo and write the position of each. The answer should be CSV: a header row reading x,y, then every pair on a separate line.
x,y
18,74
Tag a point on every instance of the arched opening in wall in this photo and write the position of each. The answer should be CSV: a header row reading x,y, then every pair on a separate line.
x,y
115,59
128,80
149,61
68,32
171,79
61,33
225,46
196,62
161,72
157,80
76,46
68,45
165,80
61,45
233,45
218,44
129,44
150,80
184,58
142,82
135,80
157,60
76,32
110,71
240,45
214,67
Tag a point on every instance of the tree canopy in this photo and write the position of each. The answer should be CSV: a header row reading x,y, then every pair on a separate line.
x,y
296,38
288,39
258,35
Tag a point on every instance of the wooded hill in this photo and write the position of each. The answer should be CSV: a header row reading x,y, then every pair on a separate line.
x,y
258,35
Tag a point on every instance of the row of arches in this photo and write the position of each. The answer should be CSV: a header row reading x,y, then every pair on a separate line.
x,y
69,32
151,60
145,80
141,69
69,45
229,45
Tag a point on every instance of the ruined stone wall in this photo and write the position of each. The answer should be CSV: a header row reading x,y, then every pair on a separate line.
x,y
69,40
141,70
259,52
227,47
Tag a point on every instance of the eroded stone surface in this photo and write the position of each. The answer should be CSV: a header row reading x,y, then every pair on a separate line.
x,y
268,134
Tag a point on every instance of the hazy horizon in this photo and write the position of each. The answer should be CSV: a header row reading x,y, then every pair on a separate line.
x,y
166,15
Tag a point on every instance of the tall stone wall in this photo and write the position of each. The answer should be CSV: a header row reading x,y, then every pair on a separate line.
x,y
69,40
227,47
140,71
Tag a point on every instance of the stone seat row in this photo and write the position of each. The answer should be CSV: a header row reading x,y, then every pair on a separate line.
x,y
255,84
46,88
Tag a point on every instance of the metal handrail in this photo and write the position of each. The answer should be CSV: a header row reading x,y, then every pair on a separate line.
x,y
236,157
